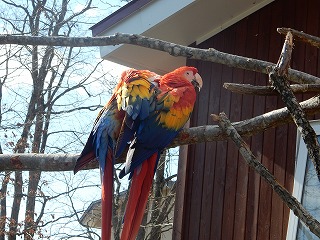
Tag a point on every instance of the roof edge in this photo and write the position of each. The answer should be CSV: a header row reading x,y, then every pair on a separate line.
x,y
118,15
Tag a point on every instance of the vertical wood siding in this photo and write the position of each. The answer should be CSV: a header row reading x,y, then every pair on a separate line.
x,y
224,199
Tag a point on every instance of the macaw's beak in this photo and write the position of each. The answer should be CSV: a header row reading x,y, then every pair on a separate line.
x,y
197,82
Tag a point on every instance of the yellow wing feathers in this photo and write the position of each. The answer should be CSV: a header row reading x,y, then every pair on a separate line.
x,y
128,93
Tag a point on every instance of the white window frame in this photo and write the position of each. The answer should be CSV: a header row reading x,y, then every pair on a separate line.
x,y
299,176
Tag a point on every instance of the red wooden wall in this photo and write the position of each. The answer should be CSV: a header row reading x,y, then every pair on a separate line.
x,y
223,198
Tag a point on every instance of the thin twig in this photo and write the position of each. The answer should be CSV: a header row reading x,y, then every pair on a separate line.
x,y
285,56
251,160
312,40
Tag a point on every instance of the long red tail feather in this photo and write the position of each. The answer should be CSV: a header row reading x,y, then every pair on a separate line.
x,y
106,199
138,197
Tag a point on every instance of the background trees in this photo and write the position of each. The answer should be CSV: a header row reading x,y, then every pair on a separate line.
x,y
49,97
42,89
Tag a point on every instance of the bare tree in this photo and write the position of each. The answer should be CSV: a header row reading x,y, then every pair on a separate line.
x,y
55,82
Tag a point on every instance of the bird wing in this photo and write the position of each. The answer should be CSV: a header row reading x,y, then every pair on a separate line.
x,y
136,97
115,123
125,105
172,110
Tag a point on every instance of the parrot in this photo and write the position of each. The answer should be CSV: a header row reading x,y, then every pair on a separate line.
x,y
145,113
102,140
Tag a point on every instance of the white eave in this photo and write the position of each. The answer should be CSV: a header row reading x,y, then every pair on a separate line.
x,y
178,21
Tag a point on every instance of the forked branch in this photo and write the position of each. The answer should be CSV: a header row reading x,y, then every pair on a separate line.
x,y
278,79
251,160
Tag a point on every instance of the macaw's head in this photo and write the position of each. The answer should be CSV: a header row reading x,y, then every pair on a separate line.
x,y
185,74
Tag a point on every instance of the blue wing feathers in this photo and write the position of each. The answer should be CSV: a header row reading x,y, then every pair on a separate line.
x,y
140,108
145,109
127,132
150,138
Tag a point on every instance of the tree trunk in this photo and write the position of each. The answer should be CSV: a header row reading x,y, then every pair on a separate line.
x,y
3,204
15,206
30,228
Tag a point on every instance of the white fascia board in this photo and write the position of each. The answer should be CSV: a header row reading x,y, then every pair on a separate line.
x,y
144,19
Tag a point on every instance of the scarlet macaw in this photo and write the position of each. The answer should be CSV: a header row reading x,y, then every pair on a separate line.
x,y
147,111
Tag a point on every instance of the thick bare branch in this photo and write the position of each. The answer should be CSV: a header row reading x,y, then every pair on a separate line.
x,y
300,118
251,160
269,90
249,127
279,81
173,49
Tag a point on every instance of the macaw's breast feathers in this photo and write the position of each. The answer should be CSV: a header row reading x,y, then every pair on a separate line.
x,y
178,96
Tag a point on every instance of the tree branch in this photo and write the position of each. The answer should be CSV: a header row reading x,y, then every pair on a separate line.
x,y
312,40
173,49
246,128
251,160
269,90
278,79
